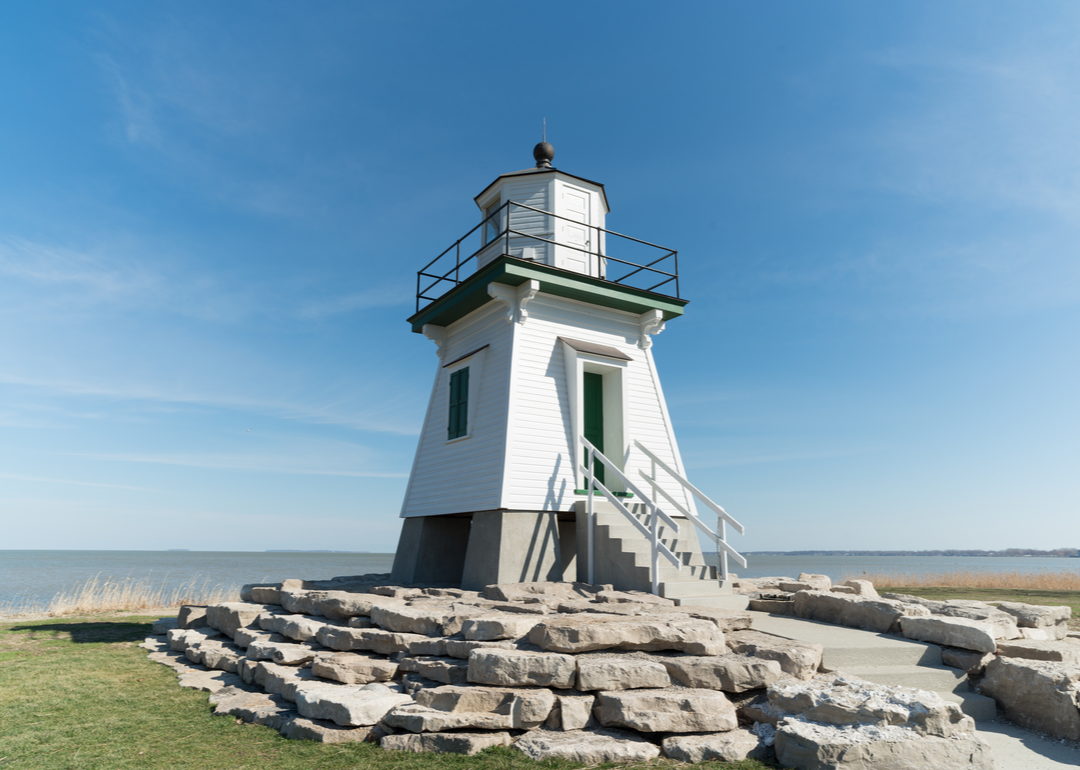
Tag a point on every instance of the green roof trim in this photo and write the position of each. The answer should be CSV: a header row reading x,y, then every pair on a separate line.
x,y
472,293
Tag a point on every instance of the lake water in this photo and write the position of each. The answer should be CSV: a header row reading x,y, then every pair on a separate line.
x,y
34,577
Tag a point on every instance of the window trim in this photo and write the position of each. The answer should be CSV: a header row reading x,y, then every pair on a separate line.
x,y
473,361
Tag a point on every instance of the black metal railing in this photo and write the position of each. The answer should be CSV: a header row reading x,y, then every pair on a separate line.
x,y
482,242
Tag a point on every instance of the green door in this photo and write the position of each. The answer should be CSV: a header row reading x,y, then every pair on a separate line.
x,y
593,388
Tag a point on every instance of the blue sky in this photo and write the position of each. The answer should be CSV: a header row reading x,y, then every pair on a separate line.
x,y
211,215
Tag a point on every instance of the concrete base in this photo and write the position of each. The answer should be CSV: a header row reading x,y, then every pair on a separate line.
x,y
512,547
431,549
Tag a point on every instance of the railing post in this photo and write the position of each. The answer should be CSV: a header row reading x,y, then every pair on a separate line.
x,y
506,249
721,537
655,550
592,518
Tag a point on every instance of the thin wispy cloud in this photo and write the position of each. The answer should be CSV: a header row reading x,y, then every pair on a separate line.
x,y
249,463
38,479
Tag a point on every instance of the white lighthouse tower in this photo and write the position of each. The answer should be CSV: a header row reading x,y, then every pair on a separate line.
x,y
547,452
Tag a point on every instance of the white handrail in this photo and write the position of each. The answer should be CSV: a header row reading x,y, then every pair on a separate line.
x,y
652,533
723,550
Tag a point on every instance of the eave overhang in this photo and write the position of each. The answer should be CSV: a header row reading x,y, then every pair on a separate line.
x,y
472,293
532,171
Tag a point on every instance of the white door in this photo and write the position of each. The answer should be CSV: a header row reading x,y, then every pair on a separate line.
x,y
576,233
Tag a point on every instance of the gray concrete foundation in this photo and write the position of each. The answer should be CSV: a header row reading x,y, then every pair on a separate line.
x,y
512,547
431,549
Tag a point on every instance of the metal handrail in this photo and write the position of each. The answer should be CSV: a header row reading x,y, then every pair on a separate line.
x,y
453,274
723,550
652,532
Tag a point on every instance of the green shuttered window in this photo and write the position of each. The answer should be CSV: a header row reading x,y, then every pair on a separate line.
x,y
459,404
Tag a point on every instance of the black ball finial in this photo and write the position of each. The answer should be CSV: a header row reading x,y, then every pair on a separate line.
x,y
543,153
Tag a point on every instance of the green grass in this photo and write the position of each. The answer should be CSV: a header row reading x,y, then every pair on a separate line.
x,y
997,595
77,693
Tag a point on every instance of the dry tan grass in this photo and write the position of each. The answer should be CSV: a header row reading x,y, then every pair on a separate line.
x,y
1060,580
124,595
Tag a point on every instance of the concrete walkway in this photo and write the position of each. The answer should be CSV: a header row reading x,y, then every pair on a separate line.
x,y
895,661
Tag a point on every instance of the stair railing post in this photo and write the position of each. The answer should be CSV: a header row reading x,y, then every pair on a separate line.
x,y
591,523
721,537
655,550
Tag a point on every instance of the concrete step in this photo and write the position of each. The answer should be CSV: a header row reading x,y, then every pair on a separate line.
x,y
685,589
882,659
933,678
978,707
850,646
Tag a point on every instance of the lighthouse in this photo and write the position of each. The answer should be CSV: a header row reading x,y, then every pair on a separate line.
x,y
547,451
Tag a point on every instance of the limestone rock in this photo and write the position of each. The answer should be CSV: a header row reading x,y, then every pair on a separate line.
x,y
1003,623
181,638
598,632
1036,694
677,710
732,746
516,592
633,597
282,653
516,668
420,719
255,707
341,605
725,620
209,681
462,648
807,582
215,654
191,616
863,588
971,661
811,746
800,659
773,606
163,626
445,743
229,617
1044,633
730,673
571,712
445,670
321,731
617,672
495,627
436,647
1036,616
246,636
955,632
1059,651
844,590
298,627
261,593
286,681
340,638
348,706
531,708
878,615
839,700
367,639
589,747
411,620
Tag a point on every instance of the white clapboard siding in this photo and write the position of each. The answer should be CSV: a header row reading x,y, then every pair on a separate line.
x,y
540,467
535,193
467,474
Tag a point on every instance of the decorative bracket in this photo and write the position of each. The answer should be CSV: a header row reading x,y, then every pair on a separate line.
x,y
525,292
514,298
436,334
651,322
